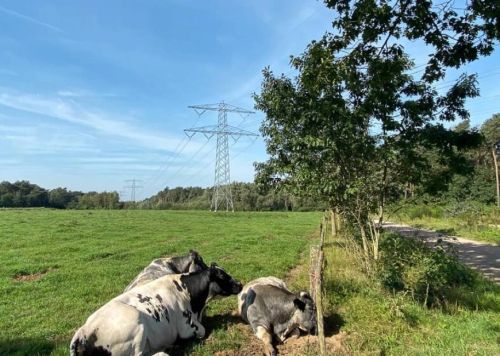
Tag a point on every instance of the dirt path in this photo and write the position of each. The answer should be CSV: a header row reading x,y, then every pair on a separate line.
x,y
481,256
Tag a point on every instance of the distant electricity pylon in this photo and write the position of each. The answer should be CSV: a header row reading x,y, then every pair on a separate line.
x,y
133,186
222,183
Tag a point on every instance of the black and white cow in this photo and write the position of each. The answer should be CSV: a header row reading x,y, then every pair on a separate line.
x,y
150,318
271,309
169,265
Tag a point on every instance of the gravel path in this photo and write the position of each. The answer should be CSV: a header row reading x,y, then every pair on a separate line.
x,y
481,256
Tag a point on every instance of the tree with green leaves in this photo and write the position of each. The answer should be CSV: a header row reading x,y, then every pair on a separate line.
x,y
491,132
352,126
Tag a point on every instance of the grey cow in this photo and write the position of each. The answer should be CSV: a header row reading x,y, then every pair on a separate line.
x,y
150,318
169,265
271,309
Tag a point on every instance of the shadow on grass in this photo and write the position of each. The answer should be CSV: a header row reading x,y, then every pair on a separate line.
x,y
211,323
341,244
220,322
333,323
449,231
26,347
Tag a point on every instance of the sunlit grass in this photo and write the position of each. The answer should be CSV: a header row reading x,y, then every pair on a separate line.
x,y
85,258
381,322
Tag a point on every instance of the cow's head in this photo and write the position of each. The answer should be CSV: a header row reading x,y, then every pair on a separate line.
x,y
305,315
196,262
222,283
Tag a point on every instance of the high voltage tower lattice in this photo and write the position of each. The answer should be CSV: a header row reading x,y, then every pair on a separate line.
x,y
222,183
133,186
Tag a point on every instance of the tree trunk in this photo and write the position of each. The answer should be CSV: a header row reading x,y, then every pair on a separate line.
x,y
365,241
334,222
375,235
493,152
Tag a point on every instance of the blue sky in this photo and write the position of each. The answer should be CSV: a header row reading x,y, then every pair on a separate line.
x,y
93,93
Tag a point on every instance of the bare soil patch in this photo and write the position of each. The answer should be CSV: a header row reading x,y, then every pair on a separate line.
x,y
303,345
30,277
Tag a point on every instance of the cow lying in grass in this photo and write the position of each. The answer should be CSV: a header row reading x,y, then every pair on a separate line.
x,y
151,317
271,309
170,265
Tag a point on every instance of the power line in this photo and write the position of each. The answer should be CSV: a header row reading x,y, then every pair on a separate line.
x,y
177,151
222,181
174,175
133,186
205,166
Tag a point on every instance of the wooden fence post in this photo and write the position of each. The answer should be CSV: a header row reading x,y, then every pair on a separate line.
x,y
322,233
312,270
316,283
319,303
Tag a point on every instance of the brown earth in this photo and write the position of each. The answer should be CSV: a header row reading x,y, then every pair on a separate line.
x,y
303,345
32,277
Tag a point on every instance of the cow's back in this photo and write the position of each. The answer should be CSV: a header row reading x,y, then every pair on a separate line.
x,y
269,280
156,269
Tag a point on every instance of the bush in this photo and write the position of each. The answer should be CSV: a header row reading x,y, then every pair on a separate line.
x,y
467,211
422,211
427,274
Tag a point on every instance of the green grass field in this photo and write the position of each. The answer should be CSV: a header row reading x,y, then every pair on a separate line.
x,y
58,266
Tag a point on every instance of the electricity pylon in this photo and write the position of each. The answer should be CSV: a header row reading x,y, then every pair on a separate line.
x,y
222,182
133,187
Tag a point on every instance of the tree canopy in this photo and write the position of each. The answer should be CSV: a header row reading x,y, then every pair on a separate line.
x,y
355,122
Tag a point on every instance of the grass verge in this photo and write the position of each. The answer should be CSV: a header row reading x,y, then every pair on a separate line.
x,y
379,321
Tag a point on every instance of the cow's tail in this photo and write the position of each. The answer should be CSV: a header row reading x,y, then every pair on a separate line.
x,y
77,345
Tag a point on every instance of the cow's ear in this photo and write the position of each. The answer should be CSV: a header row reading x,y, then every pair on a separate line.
x,y
193,253
305,295
299,304
213,265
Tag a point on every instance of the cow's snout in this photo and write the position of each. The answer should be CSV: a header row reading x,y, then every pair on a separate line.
x,y
237,287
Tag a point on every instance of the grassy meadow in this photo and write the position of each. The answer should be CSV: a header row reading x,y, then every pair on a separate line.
x,y
58,266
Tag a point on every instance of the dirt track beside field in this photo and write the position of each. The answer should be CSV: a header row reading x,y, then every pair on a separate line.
x,y
481,256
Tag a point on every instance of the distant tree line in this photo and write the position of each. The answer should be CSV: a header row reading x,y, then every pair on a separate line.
x,y
23,194
246,197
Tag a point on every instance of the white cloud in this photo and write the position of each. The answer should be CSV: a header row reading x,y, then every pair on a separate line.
x,y
9,162
82,93
70,111
34,143
106,160
30,19
73,93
